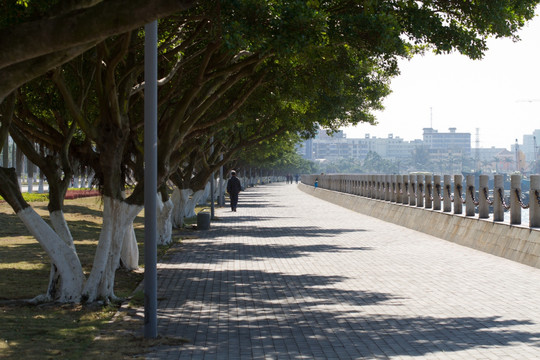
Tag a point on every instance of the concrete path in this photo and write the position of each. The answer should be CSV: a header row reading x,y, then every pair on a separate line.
x,y
289,276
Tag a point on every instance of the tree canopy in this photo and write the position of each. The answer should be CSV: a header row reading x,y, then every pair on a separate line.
x,y
37,36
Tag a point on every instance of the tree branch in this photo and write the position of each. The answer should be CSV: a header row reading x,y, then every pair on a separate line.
x,y
100,20
69,102
20,73
239,101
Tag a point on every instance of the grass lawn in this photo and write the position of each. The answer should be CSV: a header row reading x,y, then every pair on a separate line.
x,y
68,331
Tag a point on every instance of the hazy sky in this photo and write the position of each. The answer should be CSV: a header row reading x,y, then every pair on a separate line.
x,y
499,94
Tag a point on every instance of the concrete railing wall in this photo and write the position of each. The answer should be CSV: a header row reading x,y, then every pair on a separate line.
x,y
430,204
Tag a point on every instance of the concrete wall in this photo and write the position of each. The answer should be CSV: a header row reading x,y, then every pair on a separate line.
x,y
513,242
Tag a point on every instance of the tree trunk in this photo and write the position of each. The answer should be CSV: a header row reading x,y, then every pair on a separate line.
x,y
5,154
164,220
179,199
195,199
70,278
129,257
206,194
60,226
67,274
30,175
19,164
118,217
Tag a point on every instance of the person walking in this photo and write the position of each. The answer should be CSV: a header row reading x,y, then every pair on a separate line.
x,y
233,188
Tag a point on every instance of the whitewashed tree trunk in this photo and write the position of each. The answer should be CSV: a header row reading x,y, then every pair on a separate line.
x,y
30,180
179,199
164,220
41,188
70,279
118,217
129,257
60,226
206,194
190,205
89,179
216,189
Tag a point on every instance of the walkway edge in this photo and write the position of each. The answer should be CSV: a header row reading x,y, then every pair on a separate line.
x,y
516,243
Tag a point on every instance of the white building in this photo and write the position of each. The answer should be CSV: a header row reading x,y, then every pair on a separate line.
x,y
338,147
450,142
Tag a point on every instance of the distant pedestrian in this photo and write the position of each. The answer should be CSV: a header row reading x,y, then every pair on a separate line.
x,y
233,188
296,177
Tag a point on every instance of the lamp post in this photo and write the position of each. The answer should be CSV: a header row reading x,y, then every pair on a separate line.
x,y
150,180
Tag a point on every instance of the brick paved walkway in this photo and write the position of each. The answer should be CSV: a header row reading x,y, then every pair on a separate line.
x,y
289,276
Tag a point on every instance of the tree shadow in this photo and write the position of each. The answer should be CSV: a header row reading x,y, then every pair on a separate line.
x,y
11,225
260,287
208,252
298,316
246,218
256,200
275,232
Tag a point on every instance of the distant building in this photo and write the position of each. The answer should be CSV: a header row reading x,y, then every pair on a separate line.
x,y
505,161
531,145
445,143
488,154
444,148
338,146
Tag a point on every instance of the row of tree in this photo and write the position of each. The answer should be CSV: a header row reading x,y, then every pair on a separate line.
x,y
240,82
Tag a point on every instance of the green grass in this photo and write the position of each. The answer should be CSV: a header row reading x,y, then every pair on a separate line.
x,y
31,332
55,331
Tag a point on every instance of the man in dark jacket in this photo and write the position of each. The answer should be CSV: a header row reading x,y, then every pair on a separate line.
x,y
233,188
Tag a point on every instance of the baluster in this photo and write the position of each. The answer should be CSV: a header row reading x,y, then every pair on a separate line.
x,y
420,190
498,199
447,197
399,189
428,186
469,196
437,192
458,186
387,182
515,191
412,190
483,201
405,189
393,188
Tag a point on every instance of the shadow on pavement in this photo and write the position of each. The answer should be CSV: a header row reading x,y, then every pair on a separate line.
x,y
273,232
307,317
207,252
229,303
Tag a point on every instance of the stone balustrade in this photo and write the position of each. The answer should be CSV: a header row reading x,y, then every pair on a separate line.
x,y
447,207
447,194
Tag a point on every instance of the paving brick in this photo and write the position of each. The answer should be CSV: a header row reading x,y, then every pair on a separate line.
x,y
289,276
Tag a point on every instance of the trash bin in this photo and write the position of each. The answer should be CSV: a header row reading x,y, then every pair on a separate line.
x,y
203,221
